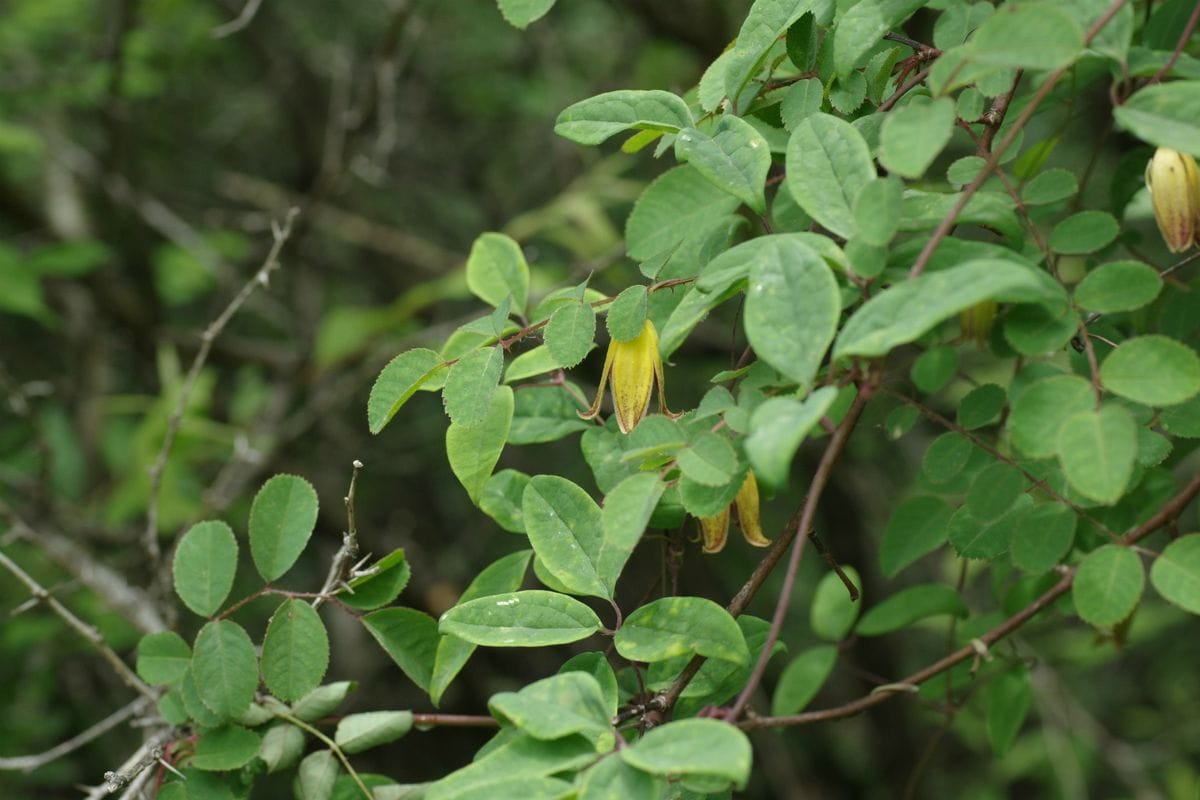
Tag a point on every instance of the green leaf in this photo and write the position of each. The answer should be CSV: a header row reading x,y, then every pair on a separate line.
x,y
1118,286
624,517
914,134
517,767
934,368
496,269
792,305
565,529
521,13
1152,370
1039,412
710,459
877,211
546,414
677,204
204,564
596,665
400,379
981,406
281,748
1176,573
474,451
1027,36
410,637
918,526
163,658
1164,114
904,312
627,314
778,427
372,591
282,519
537,361
563,704
316,775
533,618
1085,232
225,668
225,748
470,385
828,164
595,119
994,490
766,21
570,333
803,99
1049,187
909,605
735,158
359,732
802,679
945,457
832,613
861,28
613,779
699,748
502,575
501,499
1007,698
321,701
972,537
295,651
1035,330
675,626
1043,538
194,707
1108,585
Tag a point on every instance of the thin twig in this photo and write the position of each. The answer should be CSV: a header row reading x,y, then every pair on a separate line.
x,y
1183,40
280,710
1169,512
127,675
454,721
802,524
344,558
146,755
261,277
32,762
240,22
993,160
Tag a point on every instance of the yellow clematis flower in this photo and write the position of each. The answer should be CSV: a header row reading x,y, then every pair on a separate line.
x,y
635,367
1174,184
715,529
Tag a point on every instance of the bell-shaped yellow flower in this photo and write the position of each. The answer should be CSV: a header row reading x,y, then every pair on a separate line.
x,y
1174,185
715,529
635,367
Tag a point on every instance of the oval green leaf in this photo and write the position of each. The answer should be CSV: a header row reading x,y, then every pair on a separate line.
x,y
282,519
1108,585
533,618
204,565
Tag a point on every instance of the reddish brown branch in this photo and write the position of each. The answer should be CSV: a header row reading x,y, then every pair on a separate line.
x,y
1169,512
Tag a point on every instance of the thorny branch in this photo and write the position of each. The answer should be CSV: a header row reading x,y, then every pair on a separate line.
x,y
261,277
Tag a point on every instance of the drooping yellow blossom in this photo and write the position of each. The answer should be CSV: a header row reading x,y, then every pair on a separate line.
x,y
715,529
976,321
635,367
1174,184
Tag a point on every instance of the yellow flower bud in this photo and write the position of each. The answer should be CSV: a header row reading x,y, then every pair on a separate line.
x,y
977,320
715,530
746,505
1174,185
636,367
